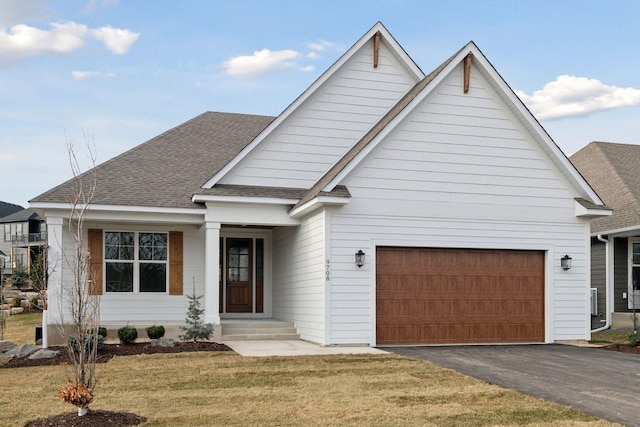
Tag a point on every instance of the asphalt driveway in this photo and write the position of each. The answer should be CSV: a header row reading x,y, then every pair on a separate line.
x,y
600,383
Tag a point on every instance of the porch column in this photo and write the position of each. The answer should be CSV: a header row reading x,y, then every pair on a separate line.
x,y
54,310
212,272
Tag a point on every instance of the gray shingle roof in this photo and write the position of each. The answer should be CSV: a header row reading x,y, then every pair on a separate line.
x,y
8,209
21,216
612,171
270,192
166,170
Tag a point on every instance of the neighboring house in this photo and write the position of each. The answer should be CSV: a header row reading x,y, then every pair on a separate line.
x,y
461,203
8,209
615,240
24,236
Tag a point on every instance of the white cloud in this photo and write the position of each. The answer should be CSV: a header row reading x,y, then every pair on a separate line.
x,y
569,96
22,41
322,45
17,11
260,62
307,68
80,75
117,40
312,55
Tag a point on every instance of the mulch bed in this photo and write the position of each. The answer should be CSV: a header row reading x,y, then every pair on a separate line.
x,y
622,348
91,419
109,351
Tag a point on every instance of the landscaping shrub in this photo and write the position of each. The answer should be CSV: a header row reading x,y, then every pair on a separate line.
x,y
102,332
88,342
634,339
127,335
154,332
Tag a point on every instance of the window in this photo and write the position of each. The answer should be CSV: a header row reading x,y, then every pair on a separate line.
x,y
135,262
12,231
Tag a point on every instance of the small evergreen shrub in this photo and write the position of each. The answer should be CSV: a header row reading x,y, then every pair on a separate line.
x,y
89,340
634,339
127,335
196,329
154,332
102,332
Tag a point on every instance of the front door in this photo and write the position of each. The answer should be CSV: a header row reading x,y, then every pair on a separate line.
x,y
239,283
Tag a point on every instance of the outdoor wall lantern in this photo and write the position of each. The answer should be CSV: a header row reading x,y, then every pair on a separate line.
x,y
360,258
565,262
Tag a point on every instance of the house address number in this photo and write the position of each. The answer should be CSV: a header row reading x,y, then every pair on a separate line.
x,y
327,270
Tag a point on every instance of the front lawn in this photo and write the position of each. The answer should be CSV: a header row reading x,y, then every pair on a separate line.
x,y
205,389
21,328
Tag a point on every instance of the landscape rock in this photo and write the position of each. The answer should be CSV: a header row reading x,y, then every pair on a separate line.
x,y
21,350
17,310
6,346
163,342
44,354
6,313
24,303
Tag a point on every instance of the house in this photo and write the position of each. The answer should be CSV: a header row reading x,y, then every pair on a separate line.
x,y
615,240
24,238
383,206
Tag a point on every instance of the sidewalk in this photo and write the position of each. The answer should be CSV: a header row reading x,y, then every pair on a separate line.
x,y
257,348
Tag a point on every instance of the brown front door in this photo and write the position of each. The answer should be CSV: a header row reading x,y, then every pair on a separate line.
x,y
239,280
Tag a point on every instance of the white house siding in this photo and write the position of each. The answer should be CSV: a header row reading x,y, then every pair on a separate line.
x,y
298,276
147,308
457,172
330,121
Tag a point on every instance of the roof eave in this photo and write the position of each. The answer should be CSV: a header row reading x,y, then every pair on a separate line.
x,y
317,203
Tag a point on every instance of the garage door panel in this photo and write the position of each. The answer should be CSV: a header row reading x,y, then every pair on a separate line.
x,y
430,296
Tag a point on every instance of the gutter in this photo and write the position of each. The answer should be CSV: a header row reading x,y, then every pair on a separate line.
x,y
607,284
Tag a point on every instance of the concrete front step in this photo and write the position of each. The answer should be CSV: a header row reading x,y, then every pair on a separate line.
x,y
260,337
259,329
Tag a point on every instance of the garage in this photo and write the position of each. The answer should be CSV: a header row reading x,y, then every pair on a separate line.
x,y
458,296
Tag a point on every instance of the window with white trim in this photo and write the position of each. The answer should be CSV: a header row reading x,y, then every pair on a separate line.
x,y
135,261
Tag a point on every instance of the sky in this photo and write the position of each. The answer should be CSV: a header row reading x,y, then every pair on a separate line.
x,y
116,73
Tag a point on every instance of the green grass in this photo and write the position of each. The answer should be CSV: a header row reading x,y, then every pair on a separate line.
x,y
611,336
204,389
21,328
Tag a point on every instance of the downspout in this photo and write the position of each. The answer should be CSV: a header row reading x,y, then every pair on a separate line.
x,y
607,283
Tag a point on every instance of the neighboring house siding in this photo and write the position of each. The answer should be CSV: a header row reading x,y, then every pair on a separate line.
x,y
470,177
598,280
298,276
323,128
621,275
148,308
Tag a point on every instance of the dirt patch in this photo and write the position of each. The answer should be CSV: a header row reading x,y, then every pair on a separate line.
x,y
622,348
91,419
109,351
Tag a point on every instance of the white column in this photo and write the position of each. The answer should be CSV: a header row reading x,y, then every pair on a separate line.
x,y
212,272
55,263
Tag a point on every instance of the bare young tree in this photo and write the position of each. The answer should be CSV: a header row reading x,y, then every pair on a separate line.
x,y
82,306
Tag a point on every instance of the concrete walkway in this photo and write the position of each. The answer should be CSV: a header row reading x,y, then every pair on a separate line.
x,y
257,348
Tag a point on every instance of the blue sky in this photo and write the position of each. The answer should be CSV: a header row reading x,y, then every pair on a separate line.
x,y
125,71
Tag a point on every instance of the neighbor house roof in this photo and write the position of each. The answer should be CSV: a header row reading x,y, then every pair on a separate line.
x,y
8,209
23,215
166,170
612,170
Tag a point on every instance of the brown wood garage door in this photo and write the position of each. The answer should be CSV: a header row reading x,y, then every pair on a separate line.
x,y
448,296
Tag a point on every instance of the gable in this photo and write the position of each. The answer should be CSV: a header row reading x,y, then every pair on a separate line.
x,y
329,121
462,155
